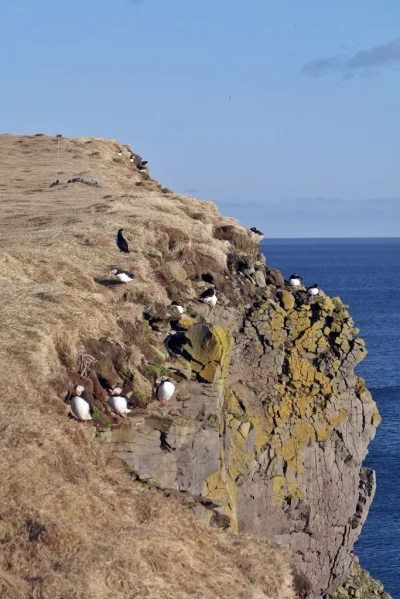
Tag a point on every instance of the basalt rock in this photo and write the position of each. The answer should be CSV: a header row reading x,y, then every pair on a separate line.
x,y
269,427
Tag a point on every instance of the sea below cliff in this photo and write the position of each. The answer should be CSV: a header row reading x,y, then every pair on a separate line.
x,y
363,273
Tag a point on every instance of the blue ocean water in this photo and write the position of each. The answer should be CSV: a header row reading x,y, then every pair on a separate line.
x,y
365,273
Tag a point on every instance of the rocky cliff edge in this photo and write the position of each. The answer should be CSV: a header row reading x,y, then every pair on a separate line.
x,y
269,426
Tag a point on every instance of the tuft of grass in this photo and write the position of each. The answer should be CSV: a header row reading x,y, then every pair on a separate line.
x,y
102,419
142,397
157,370
252,580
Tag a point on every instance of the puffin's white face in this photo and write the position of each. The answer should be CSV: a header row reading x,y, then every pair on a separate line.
x,y
79,389
114,271
117,391
161,380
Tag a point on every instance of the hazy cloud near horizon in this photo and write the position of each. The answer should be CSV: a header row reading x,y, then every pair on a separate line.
x,y
364,62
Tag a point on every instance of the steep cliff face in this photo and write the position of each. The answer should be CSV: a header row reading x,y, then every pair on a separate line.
x,y
269,425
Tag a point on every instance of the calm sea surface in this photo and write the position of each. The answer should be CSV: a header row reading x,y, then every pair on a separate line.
x,y
365,273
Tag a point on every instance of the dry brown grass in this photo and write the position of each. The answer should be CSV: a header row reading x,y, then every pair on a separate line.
x,y
73,525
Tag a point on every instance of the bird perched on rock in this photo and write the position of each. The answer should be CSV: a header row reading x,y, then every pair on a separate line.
x,y
165,390
142,166
55,183
59,135
313,289
257,231
122,275
177,307
80,407
118,402
175,343
132,158
121,242
119,153
209,296
295,280
116,390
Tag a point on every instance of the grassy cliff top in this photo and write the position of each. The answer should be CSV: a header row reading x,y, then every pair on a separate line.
x,y
73,524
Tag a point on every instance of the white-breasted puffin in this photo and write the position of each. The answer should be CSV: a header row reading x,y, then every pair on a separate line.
x,y
122,275
209,296
295,280
80,407
313,289
177,307
118,402
165,390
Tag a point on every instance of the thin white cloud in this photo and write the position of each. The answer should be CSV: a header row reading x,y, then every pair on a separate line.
x,y
363,62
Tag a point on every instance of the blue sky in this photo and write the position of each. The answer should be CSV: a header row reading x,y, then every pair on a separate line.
x,y
286,114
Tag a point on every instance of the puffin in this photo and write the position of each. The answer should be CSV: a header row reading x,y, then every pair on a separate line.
x,y
295,280
209,296
179,308
143,164
165,390
122,275
118,402
119,153
257,231
175,343
121,242
313,289
81,408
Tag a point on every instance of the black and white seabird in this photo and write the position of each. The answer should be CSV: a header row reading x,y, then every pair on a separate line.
x,y
121,242
119,153
165,389
132,158
313,289
142,166
209,296
55,183
295,280
257,231
122,275
175,343
118,402
177,307
80,407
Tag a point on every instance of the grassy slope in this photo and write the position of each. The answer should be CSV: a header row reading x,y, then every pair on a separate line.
x,y
72,523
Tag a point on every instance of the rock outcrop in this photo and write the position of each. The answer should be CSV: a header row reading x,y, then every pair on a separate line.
x,y
269,426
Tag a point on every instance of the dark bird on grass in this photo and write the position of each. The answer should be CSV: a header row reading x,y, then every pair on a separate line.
x,y
55,183
142,166
209,296
257,231
121,242
122,275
